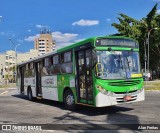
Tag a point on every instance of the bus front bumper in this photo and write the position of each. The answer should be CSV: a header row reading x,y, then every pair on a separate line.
x,y
105,100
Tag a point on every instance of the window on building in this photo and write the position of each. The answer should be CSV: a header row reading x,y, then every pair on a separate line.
x,y
6,57
6,63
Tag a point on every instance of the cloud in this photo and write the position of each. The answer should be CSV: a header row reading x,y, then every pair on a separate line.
x,y
108,19
31,38
158,11
78,40
40,26
29,30
83,22
62,39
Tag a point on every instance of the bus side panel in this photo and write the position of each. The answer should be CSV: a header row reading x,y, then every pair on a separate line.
x,y
66,81
29,83
49,87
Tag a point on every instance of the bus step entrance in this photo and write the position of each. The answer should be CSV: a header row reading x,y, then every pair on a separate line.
x,y
39,97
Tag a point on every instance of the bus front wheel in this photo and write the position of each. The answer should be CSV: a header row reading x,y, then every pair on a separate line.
x,y
69,101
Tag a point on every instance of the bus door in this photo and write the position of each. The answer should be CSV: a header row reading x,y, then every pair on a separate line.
x,y
84,76
21,69
38,78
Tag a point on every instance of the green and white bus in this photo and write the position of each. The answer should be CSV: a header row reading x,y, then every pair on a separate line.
x,y
99,71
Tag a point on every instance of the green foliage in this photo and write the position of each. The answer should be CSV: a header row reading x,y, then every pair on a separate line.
x,y
139,29
6,76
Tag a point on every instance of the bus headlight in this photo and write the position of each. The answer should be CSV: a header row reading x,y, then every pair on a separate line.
x,y
140,90
103,91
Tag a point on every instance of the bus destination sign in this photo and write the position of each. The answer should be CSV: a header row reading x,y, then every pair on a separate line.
x,y
117,42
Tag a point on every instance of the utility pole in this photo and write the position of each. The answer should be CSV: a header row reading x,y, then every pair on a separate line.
x,y
15,49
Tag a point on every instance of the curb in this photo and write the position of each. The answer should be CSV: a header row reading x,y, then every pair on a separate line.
x,y
153,90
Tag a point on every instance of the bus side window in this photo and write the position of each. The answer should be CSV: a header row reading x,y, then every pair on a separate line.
x,y
66,62
55,68
46,69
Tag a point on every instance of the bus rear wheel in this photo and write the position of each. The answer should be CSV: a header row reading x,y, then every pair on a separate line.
x,y
69,101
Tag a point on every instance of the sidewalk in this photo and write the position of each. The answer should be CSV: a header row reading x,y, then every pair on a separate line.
x,y
10,85
152,85
154,81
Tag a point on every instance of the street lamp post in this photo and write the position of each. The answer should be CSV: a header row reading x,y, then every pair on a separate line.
x,y
15,49
149,44
145,59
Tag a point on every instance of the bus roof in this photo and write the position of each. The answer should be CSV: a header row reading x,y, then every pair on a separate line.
x,y
74,45
92,40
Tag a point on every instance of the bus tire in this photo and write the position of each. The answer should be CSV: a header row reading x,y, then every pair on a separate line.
x,y
69,100
30,96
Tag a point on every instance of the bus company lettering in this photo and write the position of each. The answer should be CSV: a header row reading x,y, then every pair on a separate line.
x,y
49,81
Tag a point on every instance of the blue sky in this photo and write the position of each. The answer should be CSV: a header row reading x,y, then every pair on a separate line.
x,y
69,20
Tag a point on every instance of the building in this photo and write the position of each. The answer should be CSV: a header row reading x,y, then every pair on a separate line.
x,y
8,61
44,43
26,56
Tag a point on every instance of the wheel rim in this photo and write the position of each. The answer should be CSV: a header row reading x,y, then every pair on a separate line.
x,y
70,99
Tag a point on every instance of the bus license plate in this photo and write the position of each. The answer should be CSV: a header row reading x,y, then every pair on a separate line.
x,y
127,98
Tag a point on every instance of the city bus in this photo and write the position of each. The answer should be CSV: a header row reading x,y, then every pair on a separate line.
x,y
99,71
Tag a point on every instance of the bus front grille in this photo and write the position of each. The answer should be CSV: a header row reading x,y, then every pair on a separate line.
x,y
121,99
125,83
125,92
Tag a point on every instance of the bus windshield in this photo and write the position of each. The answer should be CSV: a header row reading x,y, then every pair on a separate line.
x,y
117,64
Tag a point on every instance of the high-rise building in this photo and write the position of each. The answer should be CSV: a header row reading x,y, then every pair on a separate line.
x,y
44,44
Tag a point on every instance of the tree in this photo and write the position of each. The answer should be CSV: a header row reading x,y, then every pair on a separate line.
x,y
138,29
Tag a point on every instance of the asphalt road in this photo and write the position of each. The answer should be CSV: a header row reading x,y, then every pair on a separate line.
x,y
16,109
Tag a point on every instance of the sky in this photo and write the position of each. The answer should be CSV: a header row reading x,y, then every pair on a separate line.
x,y
70,21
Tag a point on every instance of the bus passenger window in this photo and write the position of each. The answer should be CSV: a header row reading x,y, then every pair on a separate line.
x,y
66,62
55,68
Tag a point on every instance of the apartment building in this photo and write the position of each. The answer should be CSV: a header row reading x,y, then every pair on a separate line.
x,y
8,61
44,43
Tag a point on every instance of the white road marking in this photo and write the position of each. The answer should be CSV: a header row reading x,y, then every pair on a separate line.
x,y
3,93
